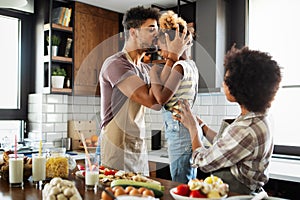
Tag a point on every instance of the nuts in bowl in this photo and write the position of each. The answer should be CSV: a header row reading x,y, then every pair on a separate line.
x,y
211,187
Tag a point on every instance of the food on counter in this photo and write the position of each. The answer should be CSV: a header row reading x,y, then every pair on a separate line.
x,y
196,194
57,166
4,166
129,185
183,190
106,175
113,178
90,142
59,189
210,187
129,190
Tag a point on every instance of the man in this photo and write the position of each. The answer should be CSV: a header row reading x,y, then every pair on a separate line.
x,y
125,92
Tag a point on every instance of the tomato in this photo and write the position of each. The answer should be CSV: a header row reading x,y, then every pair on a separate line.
x,y
83,173
183,190
80,167
101,167
109,172
197,194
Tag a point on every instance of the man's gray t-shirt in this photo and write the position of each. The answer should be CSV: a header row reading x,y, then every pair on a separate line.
x,y
115,69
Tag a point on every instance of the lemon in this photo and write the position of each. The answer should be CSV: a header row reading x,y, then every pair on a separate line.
x,y
213,194
213,180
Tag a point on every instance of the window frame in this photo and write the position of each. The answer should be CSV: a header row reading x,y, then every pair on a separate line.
x,y
27,71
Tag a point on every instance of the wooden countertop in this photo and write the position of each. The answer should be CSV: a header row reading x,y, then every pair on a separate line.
x,y
30,192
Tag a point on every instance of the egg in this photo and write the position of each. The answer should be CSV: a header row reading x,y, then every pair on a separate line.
x,y
119,192
117,187
104,195
141,190
147,193
128,189
134,192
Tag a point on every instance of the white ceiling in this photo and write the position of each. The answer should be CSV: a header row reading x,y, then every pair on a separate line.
x,y
122,5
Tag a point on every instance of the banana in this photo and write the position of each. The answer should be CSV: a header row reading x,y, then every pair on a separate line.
x,y
155,187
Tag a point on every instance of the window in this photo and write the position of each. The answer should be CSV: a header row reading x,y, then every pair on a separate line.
x,y
10,62
17,57
274,28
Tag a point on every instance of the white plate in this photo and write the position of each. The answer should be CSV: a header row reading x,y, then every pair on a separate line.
x,y
241,197
79,174
249,197
179,197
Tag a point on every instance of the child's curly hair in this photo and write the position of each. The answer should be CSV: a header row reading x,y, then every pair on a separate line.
x,y
169,20
168,23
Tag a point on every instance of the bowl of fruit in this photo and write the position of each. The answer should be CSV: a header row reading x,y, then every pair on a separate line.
x,y
212,188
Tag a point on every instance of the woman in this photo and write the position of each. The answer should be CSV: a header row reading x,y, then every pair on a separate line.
x,y
241,151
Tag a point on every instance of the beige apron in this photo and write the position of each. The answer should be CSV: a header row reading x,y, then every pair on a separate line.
x,y
123,144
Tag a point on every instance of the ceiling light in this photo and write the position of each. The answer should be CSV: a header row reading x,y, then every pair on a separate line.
x,y
12,3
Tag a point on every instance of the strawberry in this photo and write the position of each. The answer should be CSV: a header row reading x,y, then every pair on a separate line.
x,y
183,190
197,194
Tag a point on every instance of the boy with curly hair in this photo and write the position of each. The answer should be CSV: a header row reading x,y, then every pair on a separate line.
x,y
177,80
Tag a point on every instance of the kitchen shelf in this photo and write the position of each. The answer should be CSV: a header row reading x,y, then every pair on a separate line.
x,y
64,57
58,27
58,59
61,90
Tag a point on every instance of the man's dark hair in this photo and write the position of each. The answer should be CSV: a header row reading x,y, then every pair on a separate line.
x,y
135,17
252,78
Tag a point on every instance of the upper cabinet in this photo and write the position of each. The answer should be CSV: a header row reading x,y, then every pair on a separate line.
x,y
96,38
219,25
210,43
58,47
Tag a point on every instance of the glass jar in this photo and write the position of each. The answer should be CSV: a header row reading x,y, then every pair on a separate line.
x,y
57,164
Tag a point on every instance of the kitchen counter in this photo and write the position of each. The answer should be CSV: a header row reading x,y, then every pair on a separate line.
x,y
281,167
30,192
159,156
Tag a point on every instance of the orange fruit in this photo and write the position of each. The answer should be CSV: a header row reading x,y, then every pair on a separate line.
x,y
94,138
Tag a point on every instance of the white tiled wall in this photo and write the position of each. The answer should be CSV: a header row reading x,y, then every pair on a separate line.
x,y
211,107
48,114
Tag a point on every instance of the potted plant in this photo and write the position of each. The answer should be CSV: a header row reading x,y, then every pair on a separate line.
x,y
58,77
55,41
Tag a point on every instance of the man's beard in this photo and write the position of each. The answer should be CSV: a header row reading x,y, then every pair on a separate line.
x,y
152,49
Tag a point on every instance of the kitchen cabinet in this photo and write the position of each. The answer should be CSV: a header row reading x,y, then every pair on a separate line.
x,y
61,59
210,45
96,39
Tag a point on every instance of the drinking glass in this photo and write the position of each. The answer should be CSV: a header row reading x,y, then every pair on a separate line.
x,y
16,166
38,167
91,171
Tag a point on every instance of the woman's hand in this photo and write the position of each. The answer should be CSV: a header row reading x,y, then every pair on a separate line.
x,y
184,115
180,43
